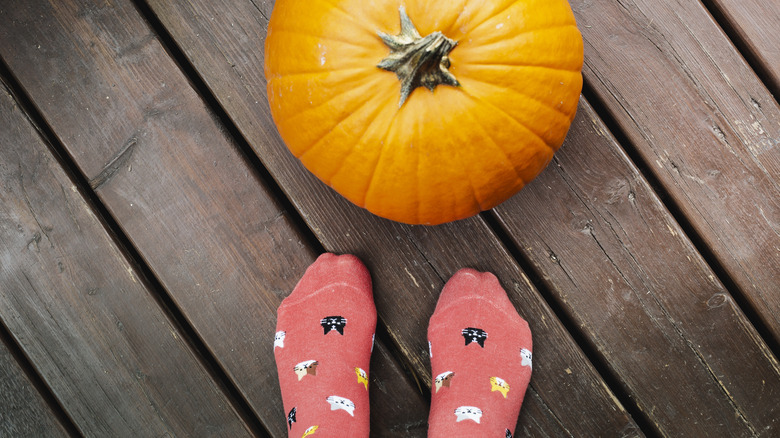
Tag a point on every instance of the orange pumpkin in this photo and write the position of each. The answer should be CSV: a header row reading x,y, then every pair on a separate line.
x,y
424,112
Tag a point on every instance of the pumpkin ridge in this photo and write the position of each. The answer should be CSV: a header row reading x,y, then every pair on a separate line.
x,y
570,70
500,11
332,128
321,72
519,123
373,117
495,144
500,46
448,29
475,76
378,160
467,174
321,37
502,39
351,18
520,93
499,65
418,165
370,84
525,32
459,159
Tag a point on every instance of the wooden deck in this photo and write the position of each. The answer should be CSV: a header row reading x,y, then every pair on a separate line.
x,y
151,221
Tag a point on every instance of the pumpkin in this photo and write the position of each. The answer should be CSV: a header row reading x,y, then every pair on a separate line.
x,y
423,112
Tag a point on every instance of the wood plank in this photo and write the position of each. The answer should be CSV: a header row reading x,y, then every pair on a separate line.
x,y
221,39
209,229
756,24
76,307
624,270
703,123
23,411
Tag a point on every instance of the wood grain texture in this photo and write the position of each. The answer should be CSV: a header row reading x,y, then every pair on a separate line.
x,y
703,123
23,411
115,362
193,207
626,274
223,41
756,24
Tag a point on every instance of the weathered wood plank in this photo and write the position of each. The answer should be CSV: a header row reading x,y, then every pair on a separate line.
x,y
23,411
223,40
623,270
195,210
757,25
74,304
705,125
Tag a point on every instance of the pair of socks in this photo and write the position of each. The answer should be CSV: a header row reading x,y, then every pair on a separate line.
x,y
480,354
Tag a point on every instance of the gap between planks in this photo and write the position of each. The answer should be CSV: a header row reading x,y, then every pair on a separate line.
x,y
39,385
753,59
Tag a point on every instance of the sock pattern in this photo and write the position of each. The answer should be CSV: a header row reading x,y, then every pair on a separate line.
x,y
481,359
322,347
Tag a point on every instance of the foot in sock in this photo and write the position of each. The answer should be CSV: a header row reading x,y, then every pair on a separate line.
x,y
325,333
480,359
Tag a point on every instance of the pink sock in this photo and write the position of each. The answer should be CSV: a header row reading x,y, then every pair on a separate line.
x,y
325,333
480,359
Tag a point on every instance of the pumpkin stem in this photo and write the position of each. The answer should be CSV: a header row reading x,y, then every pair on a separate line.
x,y
418,61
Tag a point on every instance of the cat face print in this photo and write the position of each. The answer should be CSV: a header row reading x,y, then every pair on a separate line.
x,y
468,413
526,356
471,334
279,339
443,380
342,403
291,417
500,385
306,368
331,323
362,376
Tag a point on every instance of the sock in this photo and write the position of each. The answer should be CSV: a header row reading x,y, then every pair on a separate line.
x,y
480,359
325,334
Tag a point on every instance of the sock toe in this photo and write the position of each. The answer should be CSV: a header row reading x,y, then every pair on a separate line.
x,y
331,270
481,289
480,358
323,347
